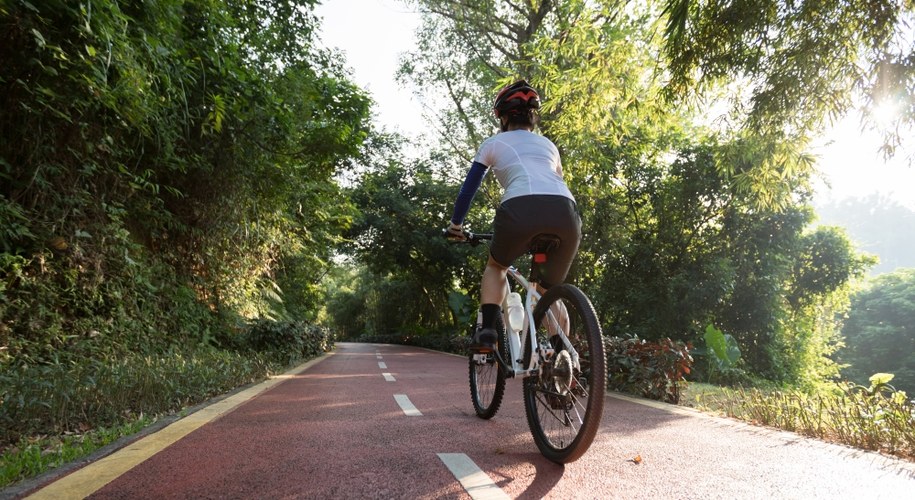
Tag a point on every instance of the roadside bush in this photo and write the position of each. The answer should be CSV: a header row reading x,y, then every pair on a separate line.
x,y
652,369
718,360
445,342
81,404
63,398
286,342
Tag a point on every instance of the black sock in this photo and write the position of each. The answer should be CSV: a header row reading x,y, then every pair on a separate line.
x,y
491,314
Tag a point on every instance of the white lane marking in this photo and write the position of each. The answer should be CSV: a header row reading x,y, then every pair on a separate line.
x,y
407,407
477,484
382,365
378,356
389,377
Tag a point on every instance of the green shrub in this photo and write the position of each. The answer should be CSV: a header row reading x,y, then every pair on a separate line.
x,y
58,398
438,341
653,369
720,360
66,405
286,342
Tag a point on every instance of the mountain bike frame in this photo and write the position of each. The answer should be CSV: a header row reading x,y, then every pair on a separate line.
x,y
563,388
516,340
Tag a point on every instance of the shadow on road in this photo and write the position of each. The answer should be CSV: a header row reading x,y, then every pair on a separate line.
x,y
546,475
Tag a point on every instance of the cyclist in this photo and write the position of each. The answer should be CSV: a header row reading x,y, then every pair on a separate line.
x,y
535,201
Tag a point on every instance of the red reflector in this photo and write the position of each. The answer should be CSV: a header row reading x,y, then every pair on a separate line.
x,y
540,258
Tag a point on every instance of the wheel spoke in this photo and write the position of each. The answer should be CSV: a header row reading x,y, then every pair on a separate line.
x,y
487,384
564,401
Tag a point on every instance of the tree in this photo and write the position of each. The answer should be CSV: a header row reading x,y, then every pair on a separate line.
x,y
802,63
408,268
683,226
879,335
172,156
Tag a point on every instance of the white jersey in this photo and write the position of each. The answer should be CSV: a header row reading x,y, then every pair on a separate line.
x,y
524,163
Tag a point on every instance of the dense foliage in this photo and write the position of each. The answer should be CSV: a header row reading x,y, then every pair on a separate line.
x,y
683,226
879,333
796,65
167,167
872,417
655,370
167,176
406,268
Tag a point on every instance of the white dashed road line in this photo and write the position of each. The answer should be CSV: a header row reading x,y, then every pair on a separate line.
x,y
478,485
389,377
407,407
382,365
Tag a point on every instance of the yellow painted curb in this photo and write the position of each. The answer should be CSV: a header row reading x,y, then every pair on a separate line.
x,y
94,476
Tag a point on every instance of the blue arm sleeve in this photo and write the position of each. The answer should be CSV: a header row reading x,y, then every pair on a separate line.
x,y
468,191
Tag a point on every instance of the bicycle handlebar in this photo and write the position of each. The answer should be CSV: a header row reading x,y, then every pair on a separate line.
x,y
471,238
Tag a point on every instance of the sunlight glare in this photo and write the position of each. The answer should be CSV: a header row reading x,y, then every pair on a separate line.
x,y
885,113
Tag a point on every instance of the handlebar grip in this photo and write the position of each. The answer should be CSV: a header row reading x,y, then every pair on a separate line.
x,y
471,238
468,236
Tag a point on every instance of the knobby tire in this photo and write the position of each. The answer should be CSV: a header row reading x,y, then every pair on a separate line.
x,y
564,415
487,381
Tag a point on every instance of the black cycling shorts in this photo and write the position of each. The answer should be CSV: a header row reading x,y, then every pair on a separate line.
x,y
518,220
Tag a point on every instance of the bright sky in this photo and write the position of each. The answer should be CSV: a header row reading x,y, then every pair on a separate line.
x,y
855,168
372,34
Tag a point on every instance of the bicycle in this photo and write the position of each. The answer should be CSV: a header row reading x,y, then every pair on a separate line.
x,y
557,347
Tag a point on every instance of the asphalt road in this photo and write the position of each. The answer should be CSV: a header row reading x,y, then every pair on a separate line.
x,y
381,421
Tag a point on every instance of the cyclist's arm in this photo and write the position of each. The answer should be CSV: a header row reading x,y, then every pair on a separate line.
x,y
468,191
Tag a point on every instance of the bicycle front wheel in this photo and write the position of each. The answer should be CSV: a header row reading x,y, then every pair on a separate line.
x,y
564,402
487,380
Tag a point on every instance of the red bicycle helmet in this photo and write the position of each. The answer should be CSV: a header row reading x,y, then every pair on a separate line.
x,y
516,98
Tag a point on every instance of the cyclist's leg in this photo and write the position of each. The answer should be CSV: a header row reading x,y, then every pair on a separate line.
x,y
561,314
504,249
492,293
492,288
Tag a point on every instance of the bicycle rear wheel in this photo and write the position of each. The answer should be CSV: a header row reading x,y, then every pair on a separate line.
x,y
487,380
564,403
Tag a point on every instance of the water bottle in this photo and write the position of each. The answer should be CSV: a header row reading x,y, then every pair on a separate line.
x,y
515,312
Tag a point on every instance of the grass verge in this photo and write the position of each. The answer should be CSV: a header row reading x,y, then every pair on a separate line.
x,y
868,419
35,455
69,412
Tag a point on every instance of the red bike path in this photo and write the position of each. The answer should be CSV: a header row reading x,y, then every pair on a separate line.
x,y
344,427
